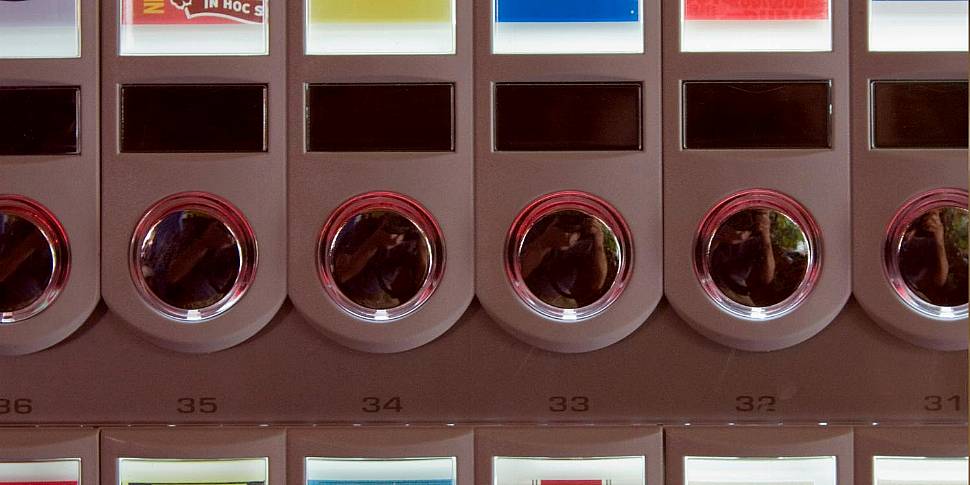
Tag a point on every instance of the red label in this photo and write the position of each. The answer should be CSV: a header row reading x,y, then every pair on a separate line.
x,y
756,10
194,11
66,482
571,482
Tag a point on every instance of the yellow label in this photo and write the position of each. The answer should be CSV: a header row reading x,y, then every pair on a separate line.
x,y
383,11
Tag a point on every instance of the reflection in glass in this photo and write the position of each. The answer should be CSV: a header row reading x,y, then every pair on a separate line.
x,y
190,260
380,256
193,256
194,27
39,29
381,471
913,470
757,254
795,470
606,470
26,263
933,256
758,257
380,259
569,255
41,472
34,258
569,259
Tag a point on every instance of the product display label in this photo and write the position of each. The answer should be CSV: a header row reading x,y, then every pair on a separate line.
x,y
193,11
35,13
756,10
572,482
380,482
58,482
380,11
567,11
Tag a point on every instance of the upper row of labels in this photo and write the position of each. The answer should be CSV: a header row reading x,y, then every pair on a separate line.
x,y
50,28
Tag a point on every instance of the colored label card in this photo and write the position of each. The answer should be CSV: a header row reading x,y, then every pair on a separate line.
x,y
567,11
380,11
37,13
379,482
756,10
167,12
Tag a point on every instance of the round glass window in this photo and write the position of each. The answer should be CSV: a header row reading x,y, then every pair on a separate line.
x,y
193,256
926,254
568,255
757,254
381,256
34,258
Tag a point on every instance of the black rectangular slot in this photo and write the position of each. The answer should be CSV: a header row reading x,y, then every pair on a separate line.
x,y
919,114
568,116
39,120
757,114
193,118
380,117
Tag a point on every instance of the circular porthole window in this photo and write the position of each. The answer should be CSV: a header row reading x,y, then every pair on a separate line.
x,y
757,254
34,258
926,254
569,255
380,256
193,256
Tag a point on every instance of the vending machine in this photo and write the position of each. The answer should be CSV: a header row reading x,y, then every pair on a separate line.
x,y
483,242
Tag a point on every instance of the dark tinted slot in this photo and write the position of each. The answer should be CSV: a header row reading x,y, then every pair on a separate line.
x,y
39,121
193,118
753,115
928,114
567,117
380,117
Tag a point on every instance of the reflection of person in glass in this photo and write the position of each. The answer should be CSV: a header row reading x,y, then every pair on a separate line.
x,y
192,262
926,265
564,260
379,260
754,260
25,263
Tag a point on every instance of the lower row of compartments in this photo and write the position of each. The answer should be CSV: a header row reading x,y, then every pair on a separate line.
x,y
497,455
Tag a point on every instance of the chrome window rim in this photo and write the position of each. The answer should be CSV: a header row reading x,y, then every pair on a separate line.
x,y
217,208
402,205
911,210
579,201
752,199
58,244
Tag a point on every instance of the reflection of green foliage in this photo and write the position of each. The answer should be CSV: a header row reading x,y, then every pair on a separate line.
x,y
786,234
955,229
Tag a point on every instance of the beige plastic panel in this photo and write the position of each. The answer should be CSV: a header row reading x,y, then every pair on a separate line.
x,y
66,185
20,445
931,442
380,443
568,442
440,181
767,442
506,182
663,373
253,182
695,180
908,172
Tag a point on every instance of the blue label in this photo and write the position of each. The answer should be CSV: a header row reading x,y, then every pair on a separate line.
x,y
567,10
379,482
